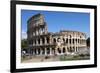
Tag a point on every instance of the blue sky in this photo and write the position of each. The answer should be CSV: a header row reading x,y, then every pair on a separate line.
x,y
59,20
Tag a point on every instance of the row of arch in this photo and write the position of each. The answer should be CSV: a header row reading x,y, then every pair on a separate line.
x,y
53,51
70,41
46,40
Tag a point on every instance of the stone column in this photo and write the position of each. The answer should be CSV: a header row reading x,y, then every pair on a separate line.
x,y
45,51
36,51
56,50
40,41
41,51
71,41
36,41
66,50
33,42
50,40
45,40
50,50
68,41
76,44
65,40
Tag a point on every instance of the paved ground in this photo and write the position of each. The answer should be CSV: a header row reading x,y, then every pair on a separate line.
x,y
53,58
41,59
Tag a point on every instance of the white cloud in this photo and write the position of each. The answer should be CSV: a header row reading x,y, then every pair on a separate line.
x,y
24,35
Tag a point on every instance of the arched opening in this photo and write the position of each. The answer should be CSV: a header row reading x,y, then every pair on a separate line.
x,y
80,37
48,50
59,50
70,36
63,39
35,41
71,49
48,39
76,49
43,50
64,50
70,41
66,40
54,40
53,50
78,40
58,40
73,41
68,49
38,41
43,40
35,51
38,51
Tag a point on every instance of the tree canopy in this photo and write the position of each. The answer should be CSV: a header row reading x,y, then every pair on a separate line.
x,y
24,43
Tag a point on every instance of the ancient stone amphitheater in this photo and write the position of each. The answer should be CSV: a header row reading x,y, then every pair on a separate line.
x,y
42,42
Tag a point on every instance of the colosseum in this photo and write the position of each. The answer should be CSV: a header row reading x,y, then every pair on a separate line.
x,y
42,42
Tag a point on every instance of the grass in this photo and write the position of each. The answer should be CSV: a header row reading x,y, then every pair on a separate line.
x,y
61,57
77,57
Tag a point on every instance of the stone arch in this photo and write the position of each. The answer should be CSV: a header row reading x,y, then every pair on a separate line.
x,y
64,50
53,50
71,49
78,40
43,40
70,36
48,39
43,50
70,41
63,39
38,49
66,40
68,49
54,40
59,50
48,50
80,36
35,41
73,41
38,40
58,39
76,49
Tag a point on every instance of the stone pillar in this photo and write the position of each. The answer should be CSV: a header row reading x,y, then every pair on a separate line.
x,y
40,41
40,51
45,40
66,50
56,50
45,51
75,49
36,41
71,41
38,31
68,41
50,51
36,51
76,44
33,42
50,39
65,40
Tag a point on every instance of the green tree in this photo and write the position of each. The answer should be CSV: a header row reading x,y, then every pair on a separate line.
x,y
24,43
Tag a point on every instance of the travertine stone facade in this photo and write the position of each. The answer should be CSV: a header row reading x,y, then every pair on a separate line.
x,y
42,42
